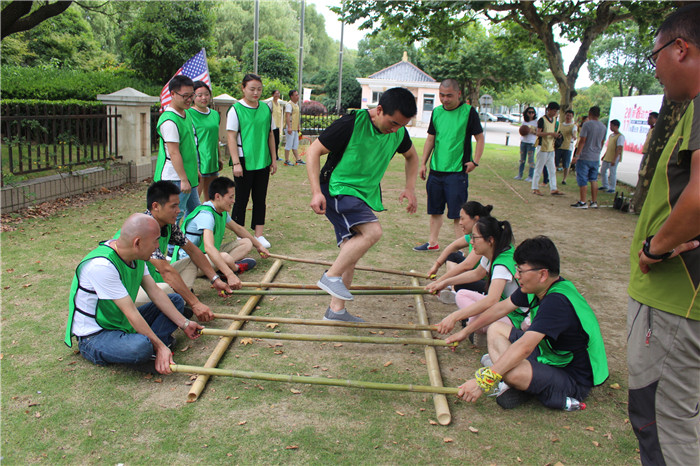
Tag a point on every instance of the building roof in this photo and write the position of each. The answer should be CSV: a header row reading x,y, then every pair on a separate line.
x,y
402,71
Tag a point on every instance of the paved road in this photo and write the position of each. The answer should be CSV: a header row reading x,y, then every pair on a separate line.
x,y
499,133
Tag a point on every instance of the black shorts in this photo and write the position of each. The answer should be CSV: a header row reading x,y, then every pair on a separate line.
x,y
451,189
344,212
550,384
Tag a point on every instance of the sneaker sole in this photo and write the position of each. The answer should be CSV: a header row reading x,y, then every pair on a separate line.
x,y
332,293
512,398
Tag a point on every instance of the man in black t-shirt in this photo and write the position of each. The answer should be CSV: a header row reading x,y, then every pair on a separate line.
x,y
347,190
560,357
448,148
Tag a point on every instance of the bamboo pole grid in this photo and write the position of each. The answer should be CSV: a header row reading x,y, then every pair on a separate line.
x,y
436,386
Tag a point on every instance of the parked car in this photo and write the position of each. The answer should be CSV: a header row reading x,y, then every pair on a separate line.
x,y
517,117
486,116
506,118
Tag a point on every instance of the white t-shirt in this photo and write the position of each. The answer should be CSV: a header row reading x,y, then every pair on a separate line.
x,y
530,138
195,229
101,276
232,124
170,133
500,272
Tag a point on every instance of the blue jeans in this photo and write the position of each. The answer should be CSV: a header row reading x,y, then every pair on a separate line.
x,y
527,151
188,202
117,347
586,170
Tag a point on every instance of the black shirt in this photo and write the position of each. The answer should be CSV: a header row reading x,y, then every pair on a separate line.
x,y
336,138
557,320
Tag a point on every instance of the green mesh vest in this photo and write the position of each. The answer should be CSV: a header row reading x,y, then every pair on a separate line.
x,y
219,228
365,161
506,260
207,127
589,322
107,314
188,147
254,127
451,131
163,242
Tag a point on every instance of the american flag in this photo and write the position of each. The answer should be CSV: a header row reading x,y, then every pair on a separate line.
x,y
195,68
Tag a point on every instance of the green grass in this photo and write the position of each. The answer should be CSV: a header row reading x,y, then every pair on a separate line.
x,y
58,408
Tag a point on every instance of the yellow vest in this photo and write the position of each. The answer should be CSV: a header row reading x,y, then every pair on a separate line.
x,y
612,148
277,113
547,142
295,117
568,132
645,147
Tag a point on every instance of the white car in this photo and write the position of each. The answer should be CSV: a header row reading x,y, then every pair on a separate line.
x,y
486,116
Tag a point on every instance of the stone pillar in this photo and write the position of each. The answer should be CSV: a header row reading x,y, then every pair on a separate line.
x,y
133,129
221,104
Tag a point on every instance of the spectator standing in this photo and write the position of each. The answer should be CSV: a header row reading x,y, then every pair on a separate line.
x,y
277,107
206,125
177,149
586,158
611,158
251,144
527,144
292,116
562,156
547,130
663,320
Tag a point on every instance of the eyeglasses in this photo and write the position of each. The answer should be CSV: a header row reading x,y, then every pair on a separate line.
x,y
520,271
530,111
184,96
655,54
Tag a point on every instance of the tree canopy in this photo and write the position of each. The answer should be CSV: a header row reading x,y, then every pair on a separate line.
x,y
548,21
275,60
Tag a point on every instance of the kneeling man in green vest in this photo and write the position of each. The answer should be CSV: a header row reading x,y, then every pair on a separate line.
x,y
205,228
559,358
162,200
103,316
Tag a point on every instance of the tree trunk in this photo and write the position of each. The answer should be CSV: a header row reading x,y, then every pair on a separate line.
x,y
669,115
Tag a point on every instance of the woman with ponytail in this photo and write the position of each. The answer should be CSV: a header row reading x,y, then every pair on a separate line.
x,y
455,261
493,240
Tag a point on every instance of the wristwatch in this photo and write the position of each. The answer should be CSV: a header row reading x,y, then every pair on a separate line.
x,y
656,257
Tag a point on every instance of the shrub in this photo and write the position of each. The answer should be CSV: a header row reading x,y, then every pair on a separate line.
x,y
313,107
50,83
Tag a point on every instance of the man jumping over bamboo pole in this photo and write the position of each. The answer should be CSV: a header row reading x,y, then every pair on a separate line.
x,y
359,147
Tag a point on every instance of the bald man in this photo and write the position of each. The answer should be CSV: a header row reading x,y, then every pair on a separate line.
x,y
103,317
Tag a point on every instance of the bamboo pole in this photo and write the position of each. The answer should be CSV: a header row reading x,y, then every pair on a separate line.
x,y
442,409
326,323
299,286
258,292
313,380
412,273
222,346
344,338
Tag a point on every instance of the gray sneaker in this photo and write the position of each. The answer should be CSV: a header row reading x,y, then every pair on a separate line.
x,y
344,316
486,360
447,296
593,205
335,287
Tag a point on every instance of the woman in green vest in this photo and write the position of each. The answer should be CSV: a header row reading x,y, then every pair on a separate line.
x,y
493,240
206,125
455,261
251,144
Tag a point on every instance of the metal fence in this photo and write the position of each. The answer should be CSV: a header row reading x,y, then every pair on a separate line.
x,y
42,137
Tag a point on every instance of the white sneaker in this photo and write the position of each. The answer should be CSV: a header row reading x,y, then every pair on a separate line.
x,y
266,244
500,390
447,296
486,360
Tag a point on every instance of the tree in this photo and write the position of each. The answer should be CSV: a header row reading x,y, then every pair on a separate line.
x,y
275,60
580,21
166,34
18,16
64,40
620,56
476,60
351,95
376,52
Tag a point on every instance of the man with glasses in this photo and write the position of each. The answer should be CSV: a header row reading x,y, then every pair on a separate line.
x,y
559,358
177,150
663,321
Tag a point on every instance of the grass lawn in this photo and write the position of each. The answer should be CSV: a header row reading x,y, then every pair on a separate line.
x,y
58,408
